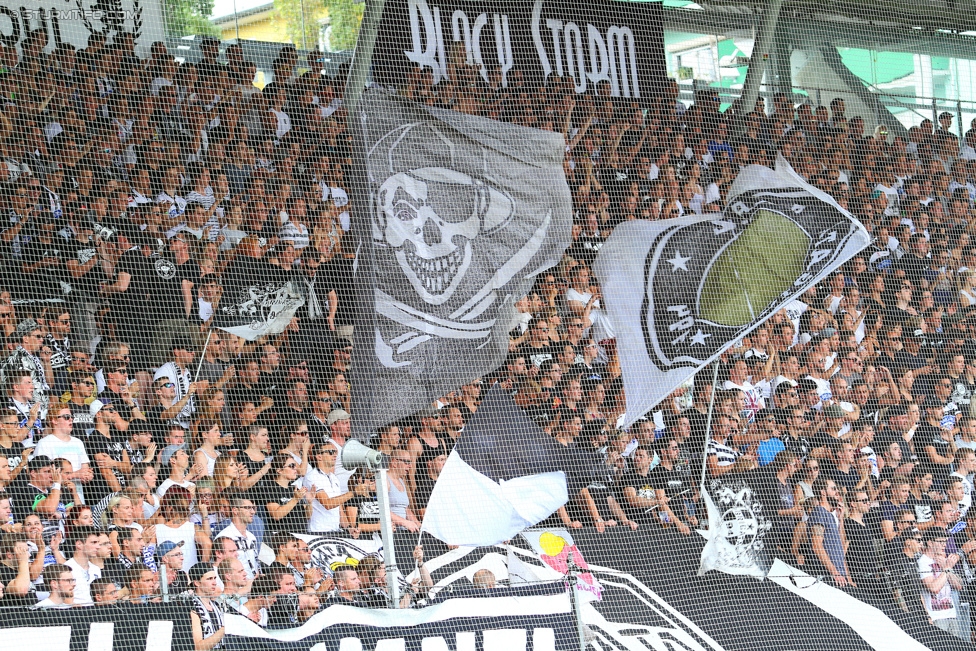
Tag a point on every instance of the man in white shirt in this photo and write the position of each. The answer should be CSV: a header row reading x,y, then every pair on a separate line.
x,y
242,514
61,582
323,483
339,430
60,444
86,542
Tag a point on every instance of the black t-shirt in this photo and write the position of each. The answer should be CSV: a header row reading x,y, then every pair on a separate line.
x,y
87,285
114,447
14,454
368,509
339,271
843,479
536,355
928,435
296,521
47,280
129,303
924,507
83,423
161,282
8,574
861,555
674,482
644,487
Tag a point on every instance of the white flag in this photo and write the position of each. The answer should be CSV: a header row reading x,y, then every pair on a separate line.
x,y
679,291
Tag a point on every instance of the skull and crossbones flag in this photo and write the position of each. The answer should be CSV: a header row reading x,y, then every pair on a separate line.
x,y
680,291
264,308
457,216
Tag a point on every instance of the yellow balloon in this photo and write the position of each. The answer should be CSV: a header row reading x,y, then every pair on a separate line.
x,y
551,543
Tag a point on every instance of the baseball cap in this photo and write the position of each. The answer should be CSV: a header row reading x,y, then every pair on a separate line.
x,y
97,405
336,415
168,453
833,411
166,547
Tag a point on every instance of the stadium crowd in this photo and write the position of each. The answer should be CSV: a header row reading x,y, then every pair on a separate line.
x,y
142,193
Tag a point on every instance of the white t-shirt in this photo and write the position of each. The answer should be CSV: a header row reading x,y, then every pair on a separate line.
x,y
341,471
939,605
169,483
183,533
83,580
247,547
73,450
323,519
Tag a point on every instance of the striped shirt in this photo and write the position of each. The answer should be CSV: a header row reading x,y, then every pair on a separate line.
x,y
725,456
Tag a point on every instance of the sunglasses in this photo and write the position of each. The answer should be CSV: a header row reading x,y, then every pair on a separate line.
x,y
66,417
166,385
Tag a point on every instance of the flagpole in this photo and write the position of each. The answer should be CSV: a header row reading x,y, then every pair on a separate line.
x,y
202,355
708,422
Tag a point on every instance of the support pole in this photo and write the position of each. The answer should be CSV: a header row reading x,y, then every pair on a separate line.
x,y
362,57
202,355
577,600
757,62
708,422
386,528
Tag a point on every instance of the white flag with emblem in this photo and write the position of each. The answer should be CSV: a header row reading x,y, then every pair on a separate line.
x,y
680,291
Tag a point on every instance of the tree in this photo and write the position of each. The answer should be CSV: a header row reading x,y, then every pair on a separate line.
x,y
288,15
189,18
341,16
345,17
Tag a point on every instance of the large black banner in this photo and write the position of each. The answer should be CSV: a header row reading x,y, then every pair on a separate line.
x,y
620,43
123,627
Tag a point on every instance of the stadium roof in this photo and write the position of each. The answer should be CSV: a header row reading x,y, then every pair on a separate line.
x,y
936,27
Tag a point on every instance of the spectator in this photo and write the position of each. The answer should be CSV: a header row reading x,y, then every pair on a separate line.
x,y
104,592
939,581
484,579
325,490
18,589
400,511
41,494
170,561
142,584
825,537
86,544
61,587
206,618
60,444
348,587
288,506
175,527
245,542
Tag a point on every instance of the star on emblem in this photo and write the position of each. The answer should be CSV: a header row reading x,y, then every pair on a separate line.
x,y
677,262
699,338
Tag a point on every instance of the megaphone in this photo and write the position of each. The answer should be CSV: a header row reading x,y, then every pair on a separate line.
x,y
357,455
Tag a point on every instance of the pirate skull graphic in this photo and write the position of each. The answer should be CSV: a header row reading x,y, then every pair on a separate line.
x,y
430,215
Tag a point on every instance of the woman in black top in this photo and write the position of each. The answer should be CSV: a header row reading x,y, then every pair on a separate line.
x,y
288,507
363,511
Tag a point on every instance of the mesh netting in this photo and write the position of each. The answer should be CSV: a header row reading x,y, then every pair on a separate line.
x,y
551,325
